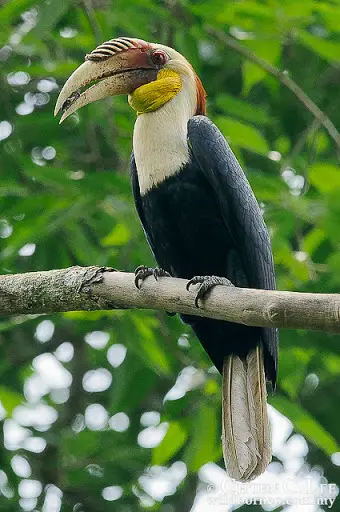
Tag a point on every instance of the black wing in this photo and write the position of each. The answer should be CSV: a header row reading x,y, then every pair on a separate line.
x,y
138,203
241,213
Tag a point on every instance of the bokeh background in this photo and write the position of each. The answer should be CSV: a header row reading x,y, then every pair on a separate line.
x,y
121,410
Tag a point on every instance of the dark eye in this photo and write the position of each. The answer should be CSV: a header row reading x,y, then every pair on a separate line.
x,y
159,57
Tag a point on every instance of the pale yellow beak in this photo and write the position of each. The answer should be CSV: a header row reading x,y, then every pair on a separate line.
x,y
117,72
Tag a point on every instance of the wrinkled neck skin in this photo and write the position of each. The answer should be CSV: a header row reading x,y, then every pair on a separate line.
x,y
160,134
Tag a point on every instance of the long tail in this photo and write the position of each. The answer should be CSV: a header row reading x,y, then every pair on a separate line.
x,y
246,438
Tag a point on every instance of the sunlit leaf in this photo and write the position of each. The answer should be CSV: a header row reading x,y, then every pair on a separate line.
x,y
174,439
233,106
12,10
252,73
49,15
306,424
243,135
120,235
327,49
10,399
202,446
325,177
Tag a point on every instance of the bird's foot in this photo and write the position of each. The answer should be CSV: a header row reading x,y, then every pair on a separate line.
x,y
206,284
142,272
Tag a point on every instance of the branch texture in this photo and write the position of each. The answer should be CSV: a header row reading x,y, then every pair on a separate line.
x,y
101,288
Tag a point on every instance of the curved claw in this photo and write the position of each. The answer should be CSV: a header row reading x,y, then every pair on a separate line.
x,y
195,280
189,283
206,285
142,272
137,279
137,282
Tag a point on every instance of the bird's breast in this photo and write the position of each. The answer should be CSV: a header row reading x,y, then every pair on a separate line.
x,y
184,222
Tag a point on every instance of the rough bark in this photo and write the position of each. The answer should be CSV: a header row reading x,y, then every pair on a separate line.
x,y
100,288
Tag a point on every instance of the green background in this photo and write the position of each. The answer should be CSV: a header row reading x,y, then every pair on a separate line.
x,y
65,199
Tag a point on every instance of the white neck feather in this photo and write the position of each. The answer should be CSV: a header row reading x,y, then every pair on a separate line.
x,y
160,137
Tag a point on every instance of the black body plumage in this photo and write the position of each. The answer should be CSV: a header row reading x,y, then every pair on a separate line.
x,y
205,220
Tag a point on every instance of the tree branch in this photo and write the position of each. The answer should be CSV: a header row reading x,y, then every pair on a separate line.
x,y
283,78
101,288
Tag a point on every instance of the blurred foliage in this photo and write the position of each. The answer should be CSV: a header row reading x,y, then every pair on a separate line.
x,y
65,200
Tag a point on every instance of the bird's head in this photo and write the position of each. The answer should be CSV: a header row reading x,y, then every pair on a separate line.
x,y
151,74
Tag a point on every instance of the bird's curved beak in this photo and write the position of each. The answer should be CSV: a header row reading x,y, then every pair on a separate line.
x,y
110,73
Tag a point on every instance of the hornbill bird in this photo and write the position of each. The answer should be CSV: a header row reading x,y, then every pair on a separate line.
x,y
200,217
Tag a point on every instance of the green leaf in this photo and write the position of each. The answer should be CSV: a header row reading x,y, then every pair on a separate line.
x,y
55,69
202,447
325,177
329,13
132,383
151,349
294,361
49,15
313,240
12,10
306,424
170,445
120,235
10,399
329,50
252,73
243,135
233,106
12,189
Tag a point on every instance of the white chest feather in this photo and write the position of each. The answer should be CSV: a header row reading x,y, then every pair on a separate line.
x,y
160,140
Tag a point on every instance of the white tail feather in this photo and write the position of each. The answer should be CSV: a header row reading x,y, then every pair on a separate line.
x,y
245,430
